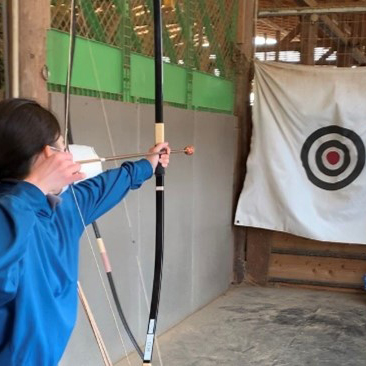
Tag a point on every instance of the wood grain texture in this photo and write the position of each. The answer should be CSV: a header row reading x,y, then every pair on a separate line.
x,y
259,244
337,270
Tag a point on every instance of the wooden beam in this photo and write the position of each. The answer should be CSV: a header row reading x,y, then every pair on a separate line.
x,y
329,26
296,245
294,46
290,35
309,3
280,12
344,56
34,21
244,75
278,44
319,269
11,47
323,287
356,29
325,56
298,260
259,244
309,36
272,25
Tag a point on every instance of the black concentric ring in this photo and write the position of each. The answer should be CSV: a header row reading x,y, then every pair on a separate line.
x,y
360,163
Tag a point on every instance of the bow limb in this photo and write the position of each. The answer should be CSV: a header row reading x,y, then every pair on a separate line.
x,y
159,174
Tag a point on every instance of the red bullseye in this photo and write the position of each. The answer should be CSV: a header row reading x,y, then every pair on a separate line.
x,y
333,157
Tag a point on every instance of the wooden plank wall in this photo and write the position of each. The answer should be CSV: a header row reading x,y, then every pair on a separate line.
x,y
280,258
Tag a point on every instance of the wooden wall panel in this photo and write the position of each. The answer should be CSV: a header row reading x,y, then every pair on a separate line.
x,y
316,269
275,257
282,242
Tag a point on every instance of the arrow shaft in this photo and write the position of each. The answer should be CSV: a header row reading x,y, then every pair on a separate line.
x,y
127,156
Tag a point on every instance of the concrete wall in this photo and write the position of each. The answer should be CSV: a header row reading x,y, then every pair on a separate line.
x,y
199,244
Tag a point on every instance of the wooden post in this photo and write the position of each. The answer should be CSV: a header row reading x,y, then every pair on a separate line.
x,y
34,20
258,255
309,37
265,43
244,76
278,45
11,47
363,31
343,56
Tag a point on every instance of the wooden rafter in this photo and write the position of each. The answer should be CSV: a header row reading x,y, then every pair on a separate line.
x,y
325,56
276,12
331,28
290,36
272,25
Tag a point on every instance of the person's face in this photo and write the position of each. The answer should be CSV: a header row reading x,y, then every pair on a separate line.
x,y
60,144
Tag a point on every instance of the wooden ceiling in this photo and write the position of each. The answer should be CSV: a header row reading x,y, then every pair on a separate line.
x,y
298,3
272,25
336,33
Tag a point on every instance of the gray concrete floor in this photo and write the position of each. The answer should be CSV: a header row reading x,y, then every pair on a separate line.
x,y
253,326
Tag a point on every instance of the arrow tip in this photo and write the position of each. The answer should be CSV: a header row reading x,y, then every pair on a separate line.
x,y
189,150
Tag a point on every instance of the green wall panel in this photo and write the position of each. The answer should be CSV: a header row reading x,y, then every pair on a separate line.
x,y
143,79
99,67
96,66
212,92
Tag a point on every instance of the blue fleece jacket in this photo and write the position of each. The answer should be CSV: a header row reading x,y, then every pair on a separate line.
x,y
39,249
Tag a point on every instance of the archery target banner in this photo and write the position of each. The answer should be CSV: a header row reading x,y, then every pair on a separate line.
x,y
306,168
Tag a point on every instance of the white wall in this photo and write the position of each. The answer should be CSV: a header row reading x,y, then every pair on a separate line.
x,y
198,244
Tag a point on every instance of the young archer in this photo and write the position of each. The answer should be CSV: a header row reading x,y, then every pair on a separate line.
x,y
40,229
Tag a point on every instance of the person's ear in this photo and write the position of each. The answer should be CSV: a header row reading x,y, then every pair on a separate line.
x,y
47,151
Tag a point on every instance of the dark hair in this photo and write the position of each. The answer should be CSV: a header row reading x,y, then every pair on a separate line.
x,y
25,129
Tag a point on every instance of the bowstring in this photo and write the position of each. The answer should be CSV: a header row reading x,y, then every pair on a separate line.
x,y
99,272
67,125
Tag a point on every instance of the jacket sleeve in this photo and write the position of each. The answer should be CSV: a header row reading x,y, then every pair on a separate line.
x,y
17,219
98,195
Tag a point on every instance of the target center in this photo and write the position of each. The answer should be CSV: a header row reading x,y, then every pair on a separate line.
x,y
333,157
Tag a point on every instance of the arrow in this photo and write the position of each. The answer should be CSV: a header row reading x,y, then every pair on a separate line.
x,y
188,150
